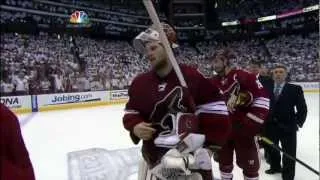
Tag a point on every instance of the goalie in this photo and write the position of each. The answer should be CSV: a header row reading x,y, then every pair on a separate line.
x,y
171,119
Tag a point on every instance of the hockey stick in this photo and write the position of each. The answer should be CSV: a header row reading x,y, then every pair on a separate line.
x,y
270,143
164,40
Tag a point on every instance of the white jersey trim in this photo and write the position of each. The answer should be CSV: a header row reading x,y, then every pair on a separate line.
x,y
131,112
218,107
226,175
261,102
260,106
212,112
251,178
255,118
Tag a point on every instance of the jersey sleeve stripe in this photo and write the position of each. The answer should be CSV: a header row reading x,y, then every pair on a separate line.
x,y
261,102
260,106
131,112
226,175
218,107
263,99
255,118
211,112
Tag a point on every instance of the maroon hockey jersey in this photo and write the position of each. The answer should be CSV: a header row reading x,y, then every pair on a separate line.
x,y
14,158
148,90
252,114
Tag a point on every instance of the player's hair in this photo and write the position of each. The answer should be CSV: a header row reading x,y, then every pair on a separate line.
x,y
170,24
280,66
170,31
225,52
256,62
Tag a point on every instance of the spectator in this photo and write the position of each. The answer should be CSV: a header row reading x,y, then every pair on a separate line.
x,y
107,83
74,84
45,85
116,61
58,80
34,85
96,85
83,83
7,87
21,84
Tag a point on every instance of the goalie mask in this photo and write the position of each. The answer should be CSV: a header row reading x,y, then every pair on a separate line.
x,y
151,35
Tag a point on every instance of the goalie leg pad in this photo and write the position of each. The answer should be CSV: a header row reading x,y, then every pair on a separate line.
x,y
203,159
173,159
206,174
226,175
251,175
142,170
144,173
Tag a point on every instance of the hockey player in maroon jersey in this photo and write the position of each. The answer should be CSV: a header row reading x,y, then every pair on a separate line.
x,y
15,163
248,105
160,112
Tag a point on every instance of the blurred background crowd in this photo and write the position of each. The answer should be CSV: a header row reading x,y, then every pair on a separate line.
x,y
55,62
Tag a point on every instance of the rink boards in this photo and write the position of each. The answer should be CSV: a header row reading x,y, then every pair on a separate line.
x,y
60,101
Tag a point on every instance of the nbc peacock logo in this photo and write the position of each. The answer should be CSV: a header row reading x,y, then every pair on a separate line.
x,y
79,17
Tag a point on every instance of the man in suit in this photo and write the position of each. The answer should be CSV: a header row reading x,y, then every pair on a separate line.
x,y
288,113
257,68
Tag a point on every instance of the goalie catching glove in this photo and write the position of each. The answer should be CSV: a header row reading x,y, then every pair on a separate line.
x,y
182,134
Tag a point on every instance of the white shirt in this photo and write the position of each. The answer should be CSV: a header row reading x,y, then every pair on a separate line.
x,y
21,84
108,84
96,86
7,87
80,83
45,85
58,82
86,84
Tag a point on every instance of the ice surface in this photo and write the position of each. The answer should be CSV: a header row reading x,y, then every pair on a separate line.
x,y
52,138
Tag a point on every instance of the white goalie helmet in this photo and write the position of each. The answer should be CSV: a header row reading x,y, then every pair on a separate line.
x,y
151,35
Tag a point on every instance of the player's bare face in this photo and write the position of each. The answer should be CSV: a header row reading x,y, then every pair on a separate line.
x,y
218,65
279,75
156,55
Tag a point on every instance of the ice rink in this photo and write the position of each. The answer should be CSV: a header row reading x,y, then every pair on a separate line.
x,y
51,136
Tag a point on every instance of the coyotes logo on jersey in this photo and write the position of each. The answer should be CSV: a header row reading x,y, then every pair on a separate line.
x,y
164,114
236,96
